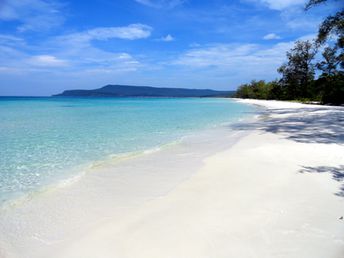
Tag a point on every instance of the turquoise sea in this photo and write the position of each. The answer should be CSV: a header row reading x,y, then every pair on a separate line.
x,y
46,140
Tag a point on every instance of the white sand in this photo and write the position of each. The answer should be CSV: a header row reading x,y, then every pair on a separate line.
x,y
250,200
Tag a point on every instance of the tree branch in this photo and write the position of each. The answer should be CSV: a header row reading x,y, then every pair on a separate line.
x,y
312,3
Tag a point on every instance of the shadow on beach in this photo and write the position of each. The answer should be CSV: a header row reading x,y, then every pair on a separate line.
x,y
318,125
336,172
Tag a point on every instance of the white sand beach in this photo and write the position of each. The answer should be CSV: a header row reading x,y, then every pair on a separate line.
x,y
276,192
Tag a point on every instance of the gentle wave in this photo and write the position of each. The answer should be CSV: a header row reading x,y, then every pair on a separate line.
x,y
44,144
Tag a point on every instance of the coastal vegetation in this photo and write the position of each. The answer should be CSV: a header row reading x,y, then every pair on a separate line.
x,y
314,70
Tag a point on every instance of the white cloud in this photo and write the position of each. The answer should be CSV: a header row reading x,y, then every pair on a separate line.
x,y
167,38
134,31
161,3
47,60
34,15
281,4
271,36
97,59
84,56
215,55
9,40
130,32
298,19
87,59
233,63
72,53
238,63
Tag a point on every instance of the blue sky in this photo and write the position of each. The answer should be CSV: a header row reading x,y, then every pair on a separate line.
x,y
47,46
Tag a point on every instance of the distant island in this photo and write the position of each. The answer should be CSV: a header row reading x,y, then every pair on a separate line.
x,y
144,91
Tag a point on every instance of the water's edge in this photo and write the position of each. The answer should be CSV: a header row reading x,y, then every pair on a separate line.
x,y
74,173
109,189
111,161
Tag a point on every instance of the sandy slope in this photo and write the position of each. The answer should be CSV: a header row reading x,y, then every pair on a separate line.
x,y
277,193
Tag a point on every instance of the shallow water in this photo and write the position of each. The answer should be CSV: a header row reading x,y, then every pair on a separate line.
x,y
46,140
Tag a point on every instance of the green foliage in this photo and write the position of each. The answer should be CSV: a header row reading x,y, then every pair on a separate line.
x,y
258,90
276,91
298,82
333,25
312,3
298,72
331,88
330,61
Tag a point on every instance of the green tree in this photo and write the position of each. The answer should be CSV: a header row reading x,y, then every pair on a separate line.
x,y
244,92
254,90
330,61
275,90
330,85
298,72
259,89
333,25
330,89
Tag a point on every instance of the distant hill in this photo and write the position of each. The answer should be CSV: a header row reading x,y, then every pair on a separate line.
x,y
143,91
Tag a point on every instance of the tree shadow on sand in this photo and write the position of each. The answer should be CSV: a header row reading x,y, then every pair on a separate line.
x,y
305,125
318,125
336,172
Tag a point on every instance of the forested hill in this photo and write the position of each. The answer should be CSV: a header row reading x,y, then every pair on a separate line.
x,y
143,91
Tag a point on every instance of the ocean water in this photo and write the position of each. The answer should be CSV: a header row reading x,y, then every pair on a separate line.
x,y
46,140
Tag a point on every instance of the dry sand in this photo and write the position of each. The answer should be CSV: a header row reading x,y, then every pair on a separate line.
x,y
277,193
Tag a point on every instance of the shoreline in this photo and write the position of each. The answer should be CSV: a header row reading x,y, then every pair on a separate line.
x,y
269,193
113,159
37,181
127,184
